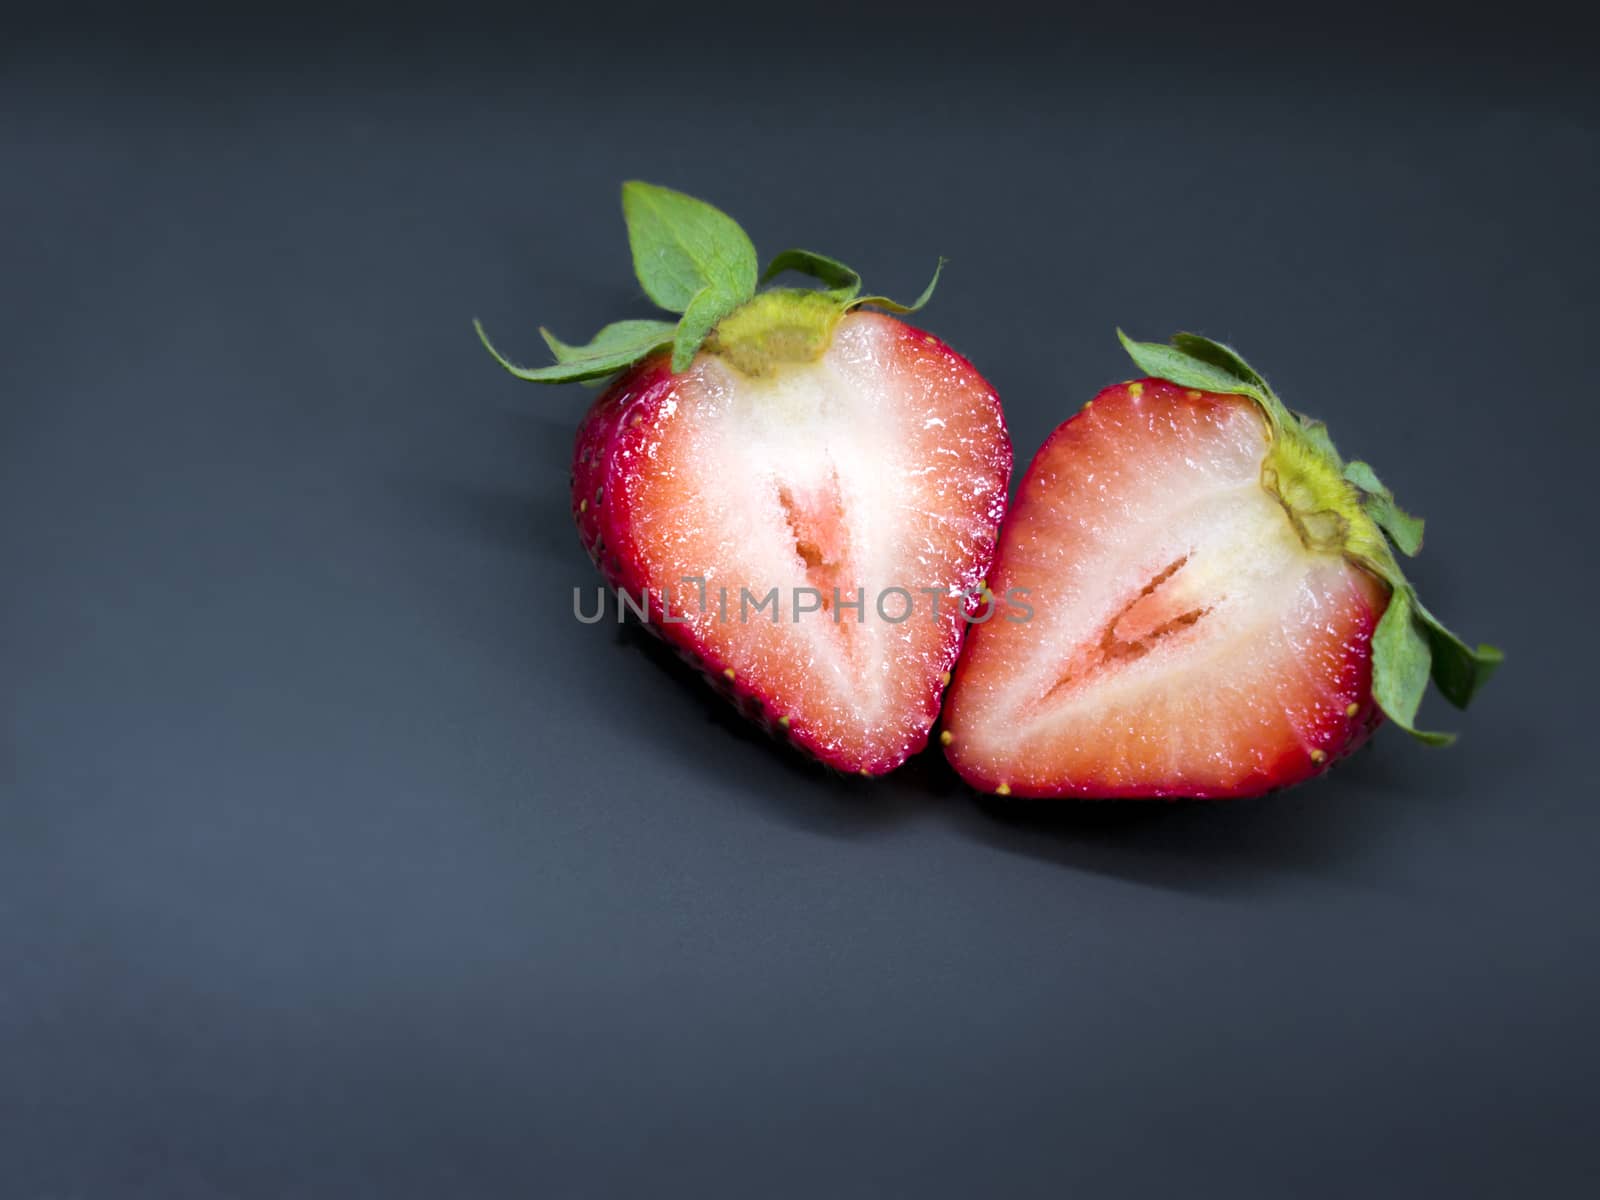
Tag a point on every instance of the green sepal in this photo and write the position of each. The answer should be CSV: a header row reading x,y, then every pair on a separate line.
x,y
1221,356
635,337
682,246
895,306
1402,661
844,283
1316,432
1211,373
1194,361
1459,670
695,260
614,347
1404,530
1410,645
701,316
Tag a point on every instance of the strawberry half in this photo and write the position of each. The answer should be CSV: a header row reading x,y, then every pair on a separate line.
x,y
798,495
1200,600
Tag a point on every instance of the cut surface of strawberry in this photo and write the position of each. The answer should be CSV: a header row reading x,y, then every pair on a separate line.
x,y
802,528
800,504
1194,588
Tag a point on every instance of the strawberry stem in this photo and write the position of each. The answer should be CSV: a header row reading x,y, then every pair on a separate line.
x,y
781,326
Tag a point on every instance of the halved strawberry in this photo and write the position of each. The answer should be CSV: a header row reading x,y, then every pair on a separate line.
x,y
1199,600
799,497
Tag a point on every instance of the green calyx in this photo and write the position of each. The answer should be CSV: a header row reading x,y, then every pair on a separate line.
x,y
694,260
1324,510
781,326
1339,507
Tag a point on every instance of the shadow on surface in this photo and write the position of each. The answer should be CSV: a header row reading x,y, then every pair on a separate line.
x,y
1196,845
799,791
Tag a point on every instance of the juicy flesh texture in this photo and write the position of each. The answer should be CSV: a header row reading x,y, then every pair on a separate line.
x,y
1183,640
883,465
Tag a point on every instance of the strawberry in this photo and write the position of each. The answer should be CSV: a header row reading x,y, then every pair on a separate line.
x,y
1201,599
799,495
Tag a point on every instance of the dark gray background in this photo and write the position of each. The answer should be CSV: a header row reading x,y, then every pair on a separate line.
x,y
337,860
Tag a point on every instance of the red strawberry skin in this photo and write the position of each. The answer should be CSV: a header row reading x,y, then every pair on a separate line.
x,y
1277,706
623,460
634,396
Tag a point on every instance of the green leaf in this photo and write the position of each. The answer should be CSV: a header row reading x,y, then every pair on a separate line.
x,y
1225,358
594,361
894,306
1401,661
633,337
699,319
1185,370
844,283
1364,477
1458,669
683,246
1404,530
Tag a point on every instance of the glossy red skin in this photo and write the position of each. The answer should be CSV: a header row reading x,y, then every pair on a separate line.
x,y
1338,737
621,418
